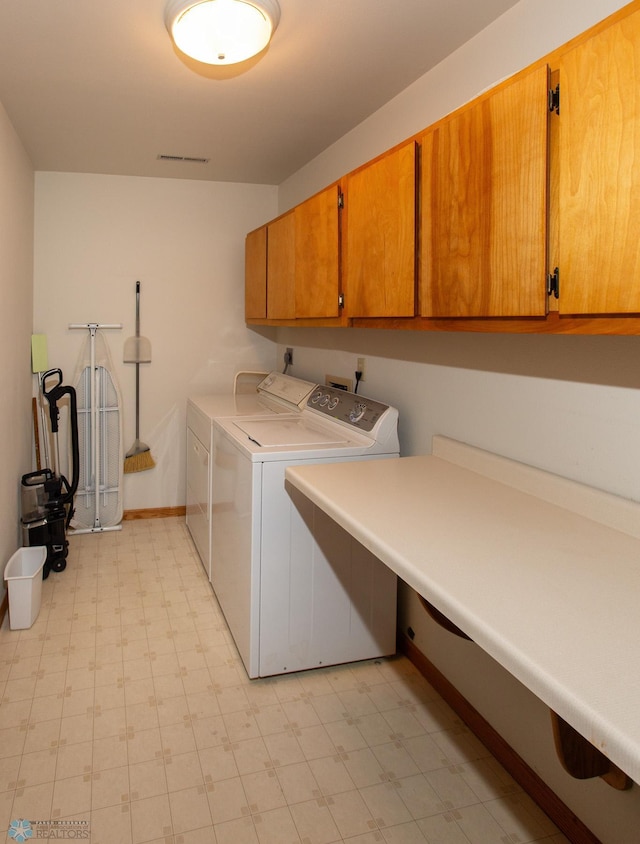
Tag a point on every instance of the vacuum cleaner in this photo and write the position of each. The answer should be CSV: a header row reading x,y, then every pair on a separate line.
x,y
47,495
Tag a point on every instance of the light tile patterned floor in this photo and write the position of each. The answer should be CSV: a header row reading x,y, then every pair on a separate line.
x,y
126,707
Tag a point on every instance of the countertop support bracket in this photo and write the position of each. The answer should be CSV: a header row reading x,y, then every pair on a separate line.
x,y
581,759
442,620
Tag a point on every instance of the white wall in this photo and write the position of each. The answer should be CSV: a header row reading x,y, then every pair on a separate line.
x,y
16,304
95,236
568,404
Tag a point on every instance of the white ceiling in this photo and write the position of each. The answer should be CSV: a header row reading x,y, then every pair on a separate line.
x,y
96,86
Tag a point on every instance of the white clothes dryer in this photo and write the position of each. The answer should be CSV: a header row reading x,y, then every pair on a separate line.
x,y
275,394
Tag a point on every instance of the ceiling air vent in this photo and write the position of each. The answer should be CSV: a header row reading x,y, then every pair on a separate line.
x,y
190,158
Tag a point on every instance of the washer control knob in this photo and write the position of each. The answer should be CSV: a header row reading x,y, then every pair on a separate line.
x,y
358,411
333,403
315,398
324,401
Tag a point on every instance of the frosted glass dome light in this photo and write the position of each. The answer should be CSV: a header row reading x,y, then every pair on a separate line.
x,y
221,31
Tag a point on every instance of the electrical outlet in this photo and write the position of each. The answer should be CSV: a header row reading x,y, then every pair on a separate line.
x,y
360,368
288,356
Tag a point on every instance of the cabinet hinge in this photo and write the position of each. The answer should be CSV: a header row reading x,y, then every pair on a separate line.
x,y
341,300
554,99
340,199
553,284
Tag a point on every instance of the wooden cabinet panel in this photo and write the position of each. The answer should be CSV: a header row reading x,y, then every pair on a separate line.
x,y
379,236
281,268
255,274
316,255
483,206
599,163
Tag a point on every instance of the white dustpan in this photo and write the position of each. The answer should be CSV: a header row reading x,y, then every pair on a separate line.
x,y
137,349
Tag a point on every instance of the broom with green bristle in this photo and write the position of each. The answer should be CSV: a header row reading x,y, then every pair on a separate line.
x,y
138,350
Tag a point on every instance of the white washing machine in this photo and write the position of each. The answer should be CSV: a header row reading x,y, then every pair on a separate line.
x,y
296,590
276,393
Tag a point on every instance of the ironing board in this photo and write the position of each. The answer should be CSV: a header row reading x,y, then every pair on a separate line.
x,y
98,501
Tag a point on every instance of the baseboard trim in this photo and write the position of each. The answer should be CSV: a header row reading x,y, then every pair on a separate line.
x,y
566,821
154,513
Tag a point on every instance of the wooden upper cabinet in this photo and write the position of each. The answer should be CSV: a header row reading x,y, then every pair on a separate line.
x,y
255,274
379,229
292,264
281,268
317,279
599,164
484,205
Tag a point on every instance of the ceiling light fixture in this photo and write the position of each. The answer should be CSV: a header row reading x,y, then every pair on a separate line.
x,y
221,31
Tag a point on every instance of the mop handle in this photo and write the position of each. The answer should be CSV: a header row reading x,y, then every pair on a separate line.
x,y
137,308
137,362
137,401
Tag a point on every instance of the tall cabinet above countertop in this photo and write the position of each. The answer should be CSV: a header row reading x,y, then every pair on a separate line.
x,y
379,236
599,165
483,205
317,235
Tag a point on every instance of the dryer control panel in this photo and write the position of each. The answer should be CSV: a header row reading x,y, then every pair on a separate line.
x,y
286,389
348,408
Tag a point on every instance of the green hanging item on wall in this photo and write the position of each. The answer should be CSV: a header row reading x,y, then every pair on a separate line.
x,y
39,355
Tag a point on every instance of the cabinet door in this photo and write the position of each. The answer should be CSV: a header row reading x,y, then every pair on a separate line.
x,y
599,193
255,274
483,206
316,258
379,236
281,268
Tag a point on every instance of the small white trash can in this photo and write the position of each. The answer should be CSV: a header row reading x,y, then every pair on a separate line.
x,y
24,583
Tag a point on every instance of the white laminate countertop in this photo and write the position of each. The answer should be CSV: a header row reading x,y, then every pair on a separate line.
x,y
541,572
